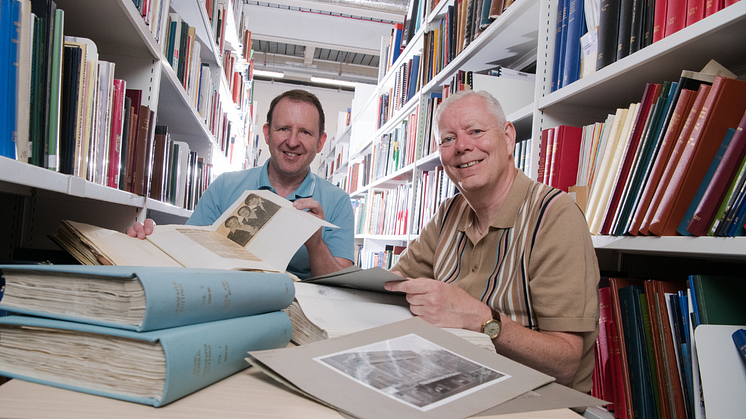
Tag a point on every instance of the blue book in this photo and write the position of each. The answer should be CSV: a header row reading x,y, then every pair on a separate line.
x,y
682,229
575,28
153,368
141,298
739,338
413,77
6,23
559,45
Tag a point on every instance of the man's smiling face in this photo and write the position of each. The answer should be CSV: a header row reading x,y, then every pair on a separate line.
x,y
476,151
293,138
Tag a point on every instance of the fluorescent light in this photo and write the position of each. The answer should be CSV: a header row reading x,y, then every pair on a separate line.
x,y
332,81
271,74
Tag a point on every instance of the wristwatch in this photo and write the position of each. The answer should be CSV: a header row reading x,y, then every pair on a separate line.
x,y
492,326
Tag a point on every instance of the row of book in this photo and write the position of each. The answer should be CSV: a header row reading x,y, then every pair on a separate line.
x,y
522,154
405,86
152,12
97,128
386,211
384,259
651,165
646,364
431,189
593,34
171,331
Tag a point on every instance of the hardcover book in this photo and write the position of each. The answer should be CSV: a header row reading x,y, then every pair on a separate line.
x,y
141,298
260,231
153,368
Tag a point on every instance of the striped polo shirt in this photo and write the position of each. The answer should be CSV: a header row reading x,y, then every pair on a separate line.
x,y
536,265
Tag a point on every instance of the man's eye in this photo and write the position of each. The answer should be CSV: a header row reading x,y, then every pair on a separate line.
x,y
446,140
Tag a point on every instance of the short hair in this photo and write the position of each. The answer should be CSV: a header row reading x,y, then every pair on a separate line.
x,y
493,106
298,95
232,217
238,211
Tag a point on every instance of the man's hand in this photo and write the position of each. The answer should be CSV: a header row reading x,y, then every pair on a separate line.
x,y
442,304
141,230
314,208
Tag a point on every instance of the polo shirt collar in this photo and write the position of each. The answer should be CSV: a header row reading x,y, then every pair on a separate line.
x,y
507,215
305,190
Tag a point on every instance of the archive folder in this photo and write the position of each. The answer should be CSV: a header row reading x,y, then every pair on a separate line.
x,y
141,298
152,368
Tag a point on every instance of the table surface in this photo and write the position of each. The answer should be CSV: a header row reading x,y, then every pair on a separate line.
x,y
247,394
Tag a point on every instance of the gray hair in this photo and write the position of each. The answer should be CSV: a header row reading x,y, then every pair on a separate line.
x,y
493,106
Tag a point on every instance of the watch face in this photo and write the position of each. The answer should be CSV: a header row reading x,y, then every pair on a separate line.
x,y
492,329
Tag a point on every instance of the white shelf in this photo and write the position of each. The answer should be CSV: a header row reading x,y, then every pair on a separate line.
x,y
702,247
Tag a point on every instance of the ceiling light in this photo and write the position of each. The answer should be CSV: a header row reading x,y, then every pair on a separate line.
x,y
271,74
332,81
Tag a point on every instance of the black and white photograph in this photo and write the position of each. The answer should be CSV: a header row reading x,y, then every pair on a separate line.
x,y
248,219
413,370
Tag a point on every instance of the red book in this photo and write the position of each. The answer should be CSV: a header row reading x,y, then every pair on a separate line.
x,y
543,155
678,148
668,351
659,20
675,16
660,370
712,6
628,157
695,11
719,183
623,379
117,126
566,155
723,109
605,365
549,166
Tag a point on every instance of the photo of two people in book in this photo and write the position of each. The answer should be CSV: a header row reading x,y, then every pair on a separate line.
x,y
248,219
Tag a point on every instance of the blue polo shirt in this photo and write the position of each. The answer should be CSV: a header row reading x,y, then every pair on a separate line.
x,y
335,202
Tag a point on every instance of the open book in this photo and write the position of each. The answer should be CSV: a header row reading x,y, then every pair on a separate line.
x,y
260,231
320,312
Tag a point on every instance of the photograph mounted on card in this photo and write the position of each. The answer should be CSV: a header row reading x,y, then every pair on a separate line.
x,y
406,369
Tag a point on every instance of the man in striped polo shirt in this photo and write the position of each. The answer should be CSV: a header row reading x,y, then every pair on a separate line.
x,y
511,257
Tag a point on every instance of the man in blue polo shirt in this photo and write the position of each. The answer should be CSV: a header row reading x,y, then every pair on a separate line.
x,y
294,133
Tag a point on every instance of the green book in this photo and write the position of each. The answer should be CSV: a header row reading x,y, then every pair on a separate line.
x,y
55,93
719,299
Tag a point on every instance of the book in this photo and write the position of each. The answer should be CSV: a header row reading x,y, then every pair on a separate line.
x,y
320,312
267,242
739,339
671,384
722,109
635,345
699,196
608,27
153,368
719,299
717,187
565,156
141,298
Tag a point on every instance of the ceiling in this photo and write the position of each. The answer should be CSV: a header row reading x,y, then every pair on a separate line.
x,y
338,39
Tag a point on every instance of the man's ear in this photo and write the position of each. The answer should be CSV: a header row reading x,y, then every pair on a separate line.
x,y
265,130
321,142
510,137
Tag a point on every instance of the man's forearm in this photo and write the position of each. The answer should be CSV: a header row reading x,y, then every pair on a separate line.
x,y
322,261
